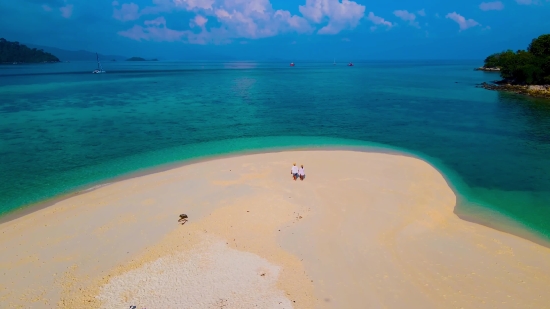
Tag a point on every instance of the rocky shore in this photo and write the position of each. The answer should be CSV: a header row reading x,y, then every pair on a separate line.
x,y
539,91
487,69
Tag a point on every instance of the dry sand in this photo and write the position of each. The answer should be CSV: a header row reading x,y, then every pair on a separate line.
x,y
364,230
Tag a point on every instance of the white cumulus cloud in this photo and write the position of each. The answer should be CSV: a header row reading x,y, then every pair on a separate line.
x,y
233,19
126,12
67,10
491,6
224,21
196,4
338,15
154,30
199,21
407,16
378,21
462,22
529,2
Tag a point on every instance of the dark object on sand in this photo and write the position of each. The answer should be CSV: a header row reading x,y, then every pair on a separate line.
x,y
183,218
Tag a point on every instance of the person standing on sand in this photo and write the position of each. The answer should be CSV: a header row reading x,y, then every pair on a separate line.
x,y
302,173
294,171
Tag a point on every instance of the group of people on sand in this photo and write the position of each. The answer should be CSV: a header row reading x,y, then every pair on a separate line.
x,y
298,172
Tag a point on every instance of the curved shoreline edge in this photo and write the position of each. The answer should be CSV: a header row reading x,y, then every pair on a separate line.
x,y
148,170
496,220
363,229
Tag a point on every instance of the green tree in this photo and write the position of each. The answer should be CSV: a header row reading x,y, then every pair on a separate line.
x,y
540,46
15,52
545,66
507,63
492,61
531,66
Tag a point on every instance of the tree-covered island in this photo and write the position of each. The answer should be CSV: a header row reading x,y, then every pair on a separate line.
x,y
13,52
523,71
140,59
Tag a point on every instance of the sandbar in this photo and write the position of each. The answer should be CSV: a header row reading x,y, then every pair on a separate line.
x,y
363,230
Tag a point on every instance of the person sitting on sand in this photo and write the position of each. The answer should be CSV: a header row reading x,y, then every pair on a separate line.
x,y
294,171
302,173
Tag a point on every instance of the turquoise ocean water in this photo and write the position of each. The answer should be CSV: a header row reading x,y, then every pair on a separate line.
x,y
63,128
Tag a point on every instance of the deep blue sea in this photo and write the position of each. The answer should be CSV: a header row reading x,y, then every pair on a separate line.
x,y
63,128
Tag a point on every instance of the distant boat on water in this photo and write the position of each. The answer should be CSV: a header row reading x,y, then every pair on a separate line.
x,y
99,68
292,64
350,64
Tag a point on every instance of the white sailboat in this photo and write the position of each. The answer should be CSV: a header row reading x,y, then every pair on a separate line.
x,y
99,68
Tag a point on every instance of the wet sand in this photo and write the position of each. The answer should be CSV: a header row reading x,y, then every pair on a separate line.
x,y
364,230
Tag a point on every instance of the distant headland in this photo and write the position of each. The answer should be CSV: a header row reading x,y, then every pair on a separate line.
x,y
524,72
15,53
140,59
76,55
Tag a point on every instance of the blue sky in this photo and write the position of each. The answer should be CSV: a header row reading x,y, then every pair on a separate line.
x,y
263,29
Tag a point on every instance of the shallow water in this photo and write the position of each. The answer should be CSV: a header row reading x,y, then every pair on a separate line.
x,y
62,128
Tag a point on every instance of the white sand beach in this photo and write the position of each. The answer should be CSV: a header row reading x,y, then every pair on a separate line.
x,y
363,230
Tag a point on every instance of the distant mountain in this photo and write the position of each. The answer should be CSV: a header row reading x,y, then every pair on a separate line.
x,y
78,55
13,52
140,59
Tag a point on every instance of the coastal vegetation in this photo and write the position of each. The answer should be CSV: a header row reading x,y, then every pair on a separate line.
x,y
11,52
74,55
529,67
140,59
523,71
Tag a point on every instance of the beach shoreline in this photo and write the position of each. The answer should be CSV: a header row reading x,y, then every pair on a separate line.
x,y
363,228
502,223
32,207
